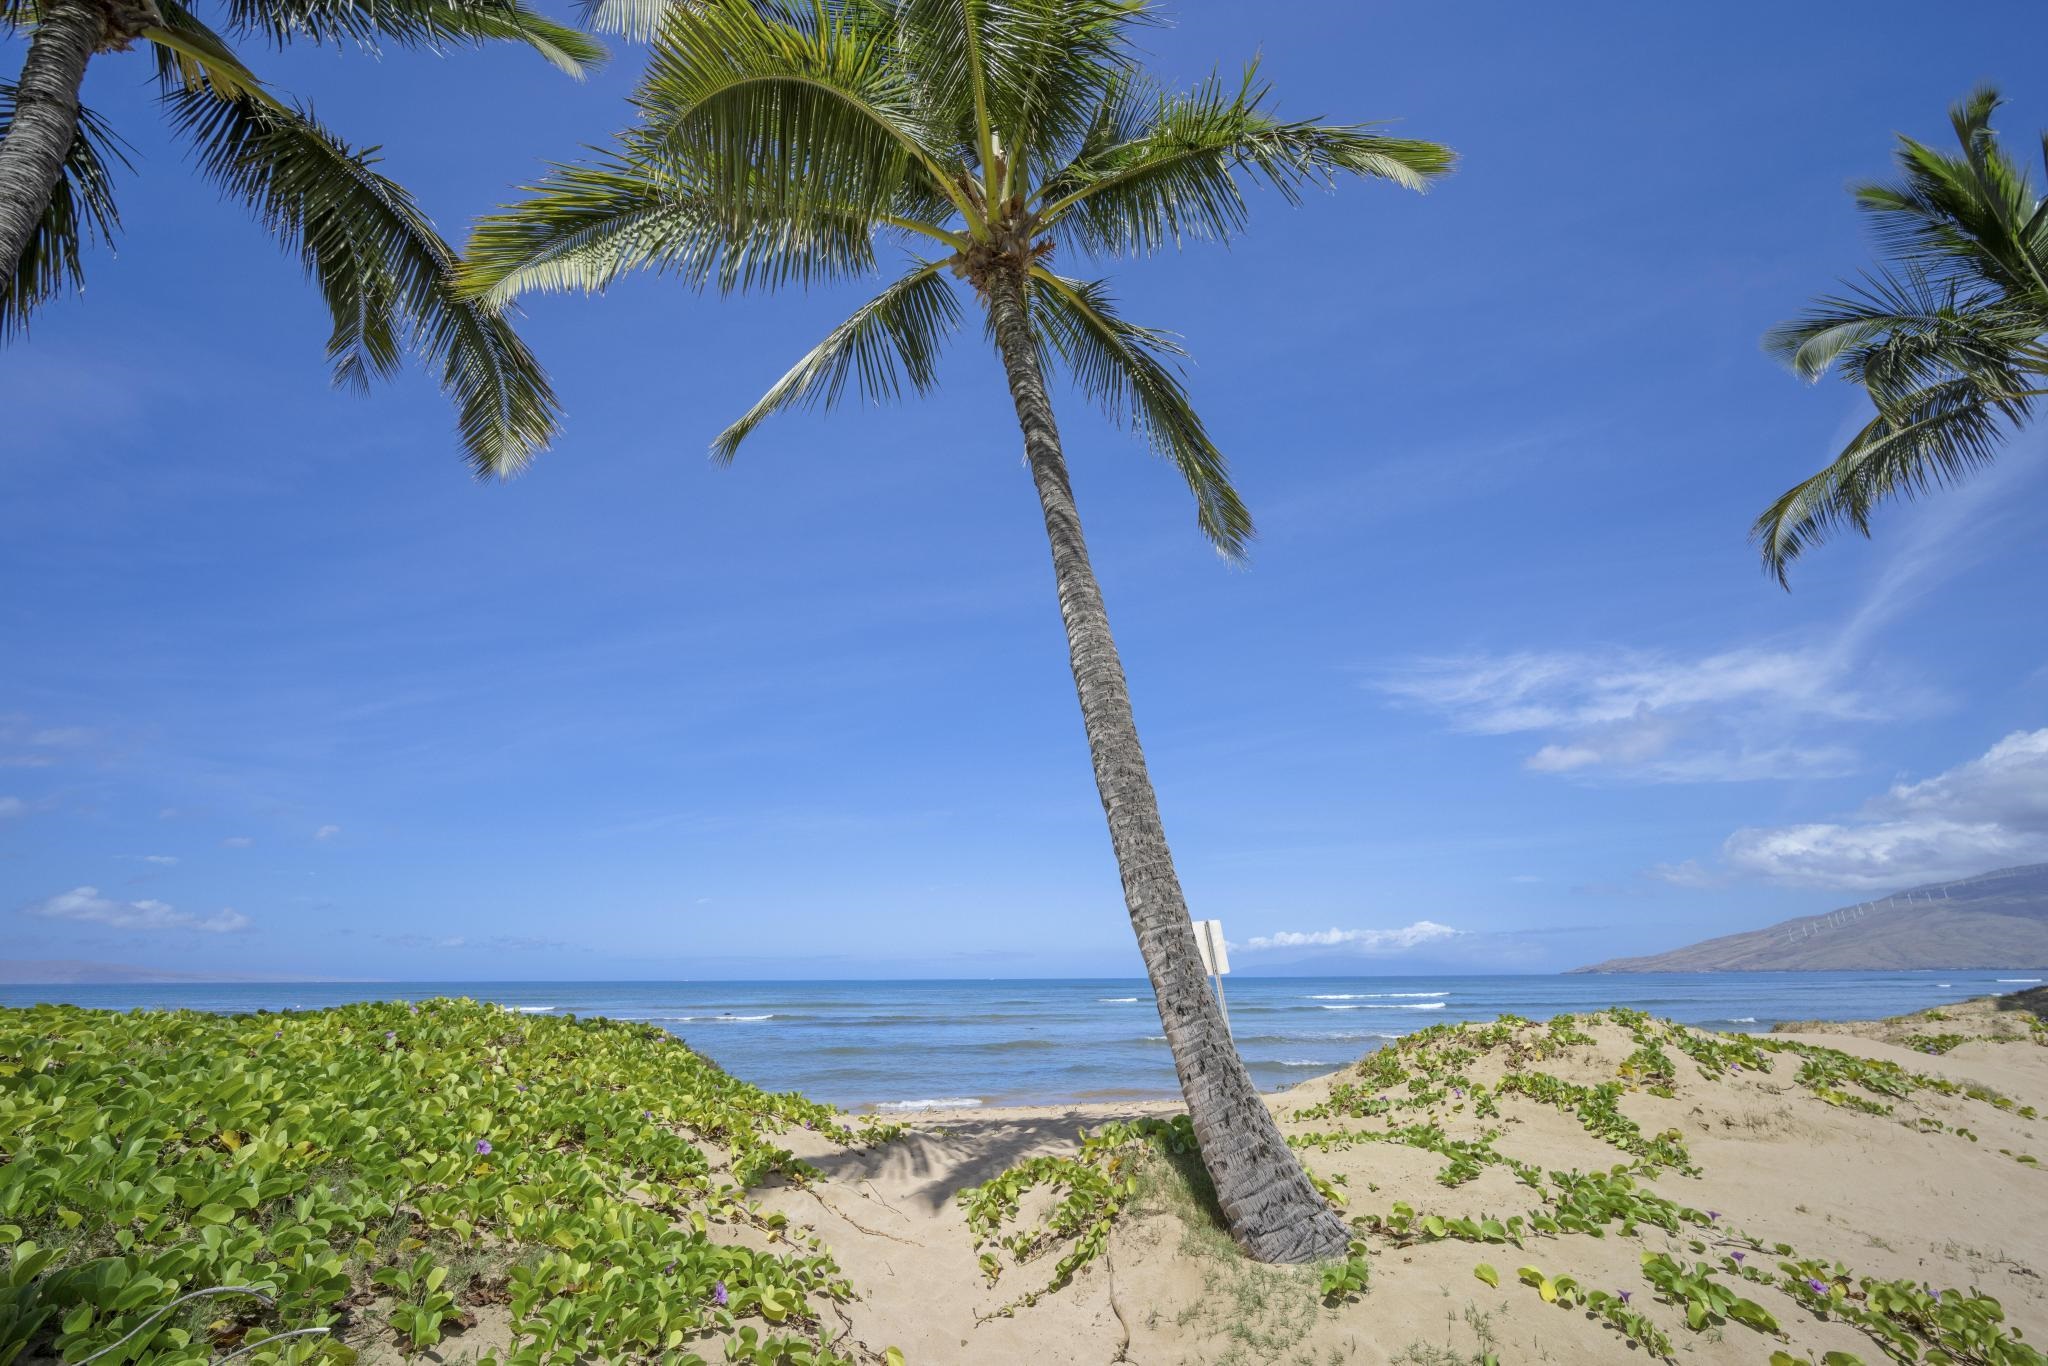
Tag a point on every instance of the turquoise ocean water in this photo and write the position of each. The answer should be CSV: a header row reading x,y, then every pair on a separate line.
x,y
904,1045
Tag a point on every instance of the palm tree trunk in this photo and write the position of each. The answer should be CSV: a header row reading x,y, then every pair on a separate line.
x,y
45,120
1272,1210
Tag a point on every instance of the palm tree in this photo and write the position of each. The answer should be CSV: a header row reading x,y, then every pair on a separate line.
x,y
1947,338
779,140
387,276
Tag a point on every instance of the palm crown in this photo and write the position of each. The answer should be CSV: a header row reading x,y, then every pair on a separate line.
x,y
1947,340
386,275
781,143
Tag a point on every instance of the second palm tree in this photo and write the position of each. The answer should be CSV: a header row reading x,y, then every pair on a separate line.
x,y
779,141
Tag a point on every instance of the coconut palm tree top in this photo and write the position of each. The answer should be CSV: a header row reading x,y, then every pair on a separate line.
x,y
384,272
783,143
1947,337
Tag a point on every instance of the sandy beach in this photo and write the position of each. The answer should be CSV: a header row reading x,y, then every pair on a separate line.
x,y
1934,1192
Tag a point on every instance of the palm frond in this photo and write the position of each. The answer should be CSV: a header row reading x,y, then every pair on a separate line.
x,y
432,24
1941,435
191,56
386,275
1185,171
1125,368
1028,72
766,107
586,225
80,206
893,340
1974,214
635,20
1898,334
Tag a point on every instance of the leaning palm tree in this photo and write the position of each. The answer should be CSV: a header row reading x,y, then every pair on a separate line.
x,y
779,141
385,273
1950,339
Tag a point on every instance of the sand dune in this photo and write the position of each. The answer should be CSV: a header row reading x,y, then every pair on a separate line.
x,y
1932,1192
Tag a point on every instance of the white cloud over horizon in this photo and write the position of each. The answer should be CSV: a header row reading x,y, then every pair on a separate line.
x,y
326,832
1985,813
85,905
1977,816
1736,715
1366,941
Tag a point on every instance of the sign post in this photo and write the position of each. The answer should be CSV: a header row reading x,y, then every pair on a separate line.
x,y
1215,962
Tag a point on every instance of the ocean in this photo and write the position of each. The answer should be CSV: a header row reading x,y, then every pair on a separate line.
x,y
905,1046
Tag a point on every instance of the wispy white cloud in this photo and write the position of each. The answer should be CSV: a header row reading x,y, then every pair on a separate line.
x,y
1752,710
1366,941
1730,716
1990,811
12,808
85,905
326,832
237,842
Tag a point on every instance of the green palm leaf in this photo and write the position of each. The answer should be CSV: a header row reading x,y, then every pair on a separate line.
x,y
584,226
1948,431
893,340
765,108
1184,168
387,277
415,23
1948,344
1125,368
81,205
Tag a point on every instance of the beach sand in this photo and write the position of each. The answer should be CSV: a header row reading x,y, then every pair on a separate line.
x,y
1778,1163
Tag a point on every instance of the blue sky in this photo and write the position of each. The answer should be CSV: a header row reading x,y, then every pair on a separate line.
x,y
286,691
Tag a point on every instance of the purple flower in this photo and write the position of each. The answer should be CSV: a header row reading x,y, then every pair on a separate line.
x,y
1714,1215
522,1086
669,1270
1734,1067
718,1294
278,1035
1624,1297
1736,1255
483,1147
390,1033
1458,1092
1817,1287
647,1114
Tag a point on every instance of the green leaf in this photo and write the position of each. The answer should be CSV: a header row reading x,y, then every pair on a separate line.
x,y
1486,1273
1754,1315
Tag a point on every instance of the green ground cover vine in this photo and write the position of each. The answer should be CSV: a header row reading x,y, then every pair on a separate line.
x,y
376,1170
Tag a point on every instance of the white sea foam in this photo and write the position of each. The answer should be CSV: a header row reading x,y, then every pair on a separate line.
x,y
1117,1000
1742,1019
1374,995
714,1019
535,1010
1419,1005
2019,979
939,1103
1306,1062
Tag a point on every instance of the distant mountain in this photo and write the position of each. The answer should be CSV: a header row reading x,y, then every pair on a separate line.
x,y
68,972
1993,920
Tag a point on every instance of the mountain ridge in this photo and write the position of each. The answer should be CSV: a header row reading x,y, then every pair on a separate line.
x,y
1992,920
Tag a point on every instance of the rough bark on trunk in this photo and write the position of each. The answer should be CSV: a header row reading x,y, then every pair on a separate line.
x,y
45,120
1272,1210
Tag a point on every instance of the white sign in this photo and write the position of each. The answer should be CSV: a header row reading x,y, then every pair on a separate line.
x,y
1215,953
